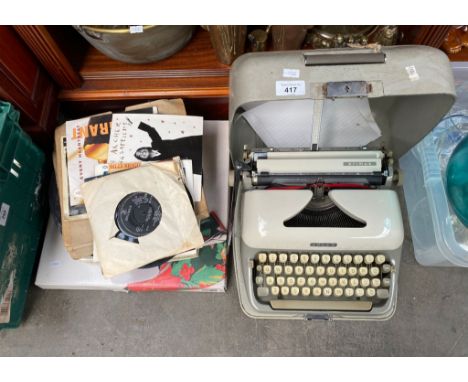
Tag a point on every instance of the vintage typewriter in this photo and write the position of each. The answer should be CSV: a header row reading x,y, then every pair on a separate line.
x,y
317,229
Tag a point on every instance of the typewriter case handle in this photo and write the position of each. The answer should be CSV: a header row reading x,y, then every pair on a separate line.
x,y
347,56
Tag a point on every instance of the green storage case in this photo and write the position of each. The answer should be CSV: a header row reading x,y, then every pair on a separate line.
x,y
22,213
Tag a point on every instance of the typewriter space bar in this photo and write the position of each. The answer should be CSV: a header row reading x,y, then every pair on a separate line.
x,y
321,305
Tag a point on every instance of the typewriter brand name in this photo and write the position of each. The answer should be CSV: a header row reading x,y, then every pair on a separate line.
x,y
359,163
323,244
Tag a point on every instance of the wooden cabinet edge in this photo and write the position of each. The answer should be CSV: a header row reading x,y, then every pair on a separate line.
x,y
96,95
44,47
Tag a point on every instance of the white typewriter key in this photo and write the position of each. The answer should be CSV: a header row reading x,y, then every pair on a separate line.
x,y
262,257
305,291
375,283
288,269
280,281
311,281
309,270
352,271
325,259
383,294
342,282
270,280
365,282
267,269
369,259
317,291
320,271
322,281
380,259
294,291
272,257
386,268
293,257
314,258
341,271
349,292
354,282
290,281
327,292
338,292
331,271
278,269
301,281
386,282
259,268
298,270
332,281
347,259
359,292
336,259
262,291
304,258
370,292
363,271
259,280
374,271
285,290
358,259
275,291
283,257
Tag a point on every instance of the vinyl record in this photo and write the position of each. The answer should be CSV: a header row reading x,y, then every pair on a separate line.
x,y
137,214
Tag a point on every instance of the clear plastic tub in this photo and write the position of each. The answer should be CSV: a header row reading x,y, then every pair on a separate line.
x,y
438,239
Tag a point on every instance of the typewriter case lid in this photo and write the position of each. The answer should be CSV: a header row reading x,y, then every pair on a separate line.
x,y
409,89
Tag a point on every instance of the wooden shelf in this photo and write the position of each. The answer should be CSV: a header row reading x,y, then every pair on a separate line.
x,y
194,72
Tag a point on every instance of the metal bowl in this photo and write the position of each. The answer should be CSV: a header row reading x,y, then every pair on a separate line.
x,y
137,44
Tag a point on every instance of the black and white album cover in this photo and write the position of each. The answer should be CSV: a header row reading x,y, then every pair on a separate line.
x,y
152,137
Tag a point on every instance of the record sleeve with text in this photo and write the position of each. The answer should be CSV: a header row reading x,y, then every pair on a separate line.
x,y
87,146
155,137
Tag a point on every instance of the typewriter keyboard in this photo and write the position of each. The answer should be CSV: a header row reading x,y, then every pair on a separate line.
x,y
313,281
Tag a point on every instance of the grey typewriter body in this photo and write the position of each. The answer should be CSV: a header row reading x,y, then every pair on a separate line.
x,y
316,228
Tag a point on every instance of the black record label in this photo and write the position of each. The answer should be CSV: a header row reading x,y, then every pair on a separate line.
x,y
136,215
